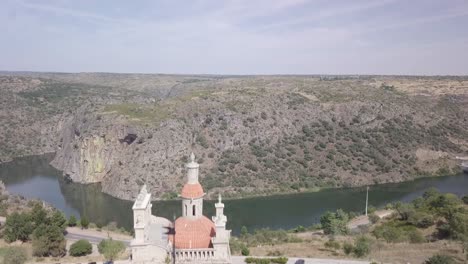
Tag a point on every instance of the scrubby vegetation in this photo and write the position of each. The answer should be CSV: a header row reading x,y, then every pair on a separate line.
x,y
44,228
15,255
433,219
252,135
110,248
81,248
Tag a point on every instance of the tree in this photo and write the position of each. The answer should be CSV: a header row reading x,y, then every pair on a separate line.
x,y
17,227
459,226
15,255
81,248
335,223
72,221
110,248
59,220
38,215
404,210
48,241
440,259
84,222
244,231
245,250
465,199
421,219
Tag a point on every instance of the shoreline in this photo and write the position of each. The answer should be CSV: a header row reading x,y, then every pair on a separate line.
x,y
252,195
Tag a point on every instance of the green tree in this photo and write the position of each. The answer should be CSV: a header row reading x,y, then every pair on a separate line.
x,y
17,227
440,259
335,223
72,221
465,199
38,215
84,222
58,219
81,248
48,240
245,250
421,219
15,255
404,210
459,226
244,231
110,248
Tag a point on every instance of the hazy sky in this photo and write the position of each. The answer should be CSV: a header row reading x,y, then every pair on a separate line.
x,y
236,37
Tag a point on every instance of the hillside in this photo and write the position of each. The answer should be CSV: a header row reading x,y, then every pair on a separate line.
x,y
253,135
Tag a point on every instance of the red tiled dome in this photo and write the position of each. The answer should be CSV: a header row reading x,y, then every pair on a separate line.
x,y
192,191
193,233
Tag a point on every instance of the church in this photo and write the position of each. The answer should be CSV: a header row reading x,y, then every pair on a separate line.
x,y
197,238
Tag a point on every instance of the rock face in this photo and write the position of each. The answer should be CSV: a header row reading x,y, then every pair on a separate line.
x,y
251,135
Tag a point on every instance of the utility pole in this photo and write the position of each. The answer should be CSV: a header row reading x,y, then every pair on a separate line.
x,y
367,198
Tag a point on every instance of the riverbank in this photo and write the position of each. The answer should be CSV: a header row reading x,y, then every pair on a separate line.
x,y
35,178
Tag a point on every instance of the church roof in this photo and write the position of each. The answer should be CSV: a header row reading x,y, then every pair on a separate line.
x,y
193,233
192,191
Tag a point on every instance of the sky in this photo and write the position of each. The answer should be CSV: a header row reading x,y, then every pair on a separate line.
x,y
407,37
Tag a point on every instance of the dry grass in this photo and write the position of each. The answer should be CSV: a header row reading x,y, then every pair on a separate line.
x,y
381,252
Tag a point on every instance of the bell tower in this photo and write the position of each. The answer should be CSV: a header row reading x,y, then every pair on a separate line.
x,y
192,192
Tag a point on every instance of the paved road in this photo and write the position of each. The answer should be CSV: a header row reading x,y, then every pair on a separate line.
x,y
240,260
76,235
91,239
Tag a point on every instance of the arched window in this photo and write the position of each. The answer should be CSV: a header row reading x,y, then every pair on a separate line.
x,y
193,210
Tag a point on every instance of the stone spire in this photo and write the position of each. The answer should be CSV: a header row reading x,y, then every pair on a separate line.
x,y
220,219
192,170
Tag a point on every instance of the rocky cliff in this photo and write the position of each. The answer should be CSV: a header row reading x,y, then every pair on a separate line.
x,y
252,135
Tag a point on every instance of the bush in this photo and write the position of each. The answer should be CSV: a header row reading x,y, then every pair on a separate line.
x,y
348,248
72,221
81,248
440,259
110,248
245,250
421,219
48,241
361,247
280,260
465,199
332,244
416,237
15,255
373,218
389,233
17,227
84,222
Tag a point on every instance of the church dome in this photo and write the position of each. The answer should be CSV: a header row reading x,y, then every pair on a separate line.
x,y
193,233
192,191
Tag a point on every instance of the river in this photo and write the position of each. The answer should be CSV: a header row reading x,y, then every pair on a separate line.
x,y
33,177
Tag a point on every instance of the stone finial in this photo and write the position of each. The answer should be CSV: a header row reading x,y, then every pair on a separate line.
x,y
219,198
143,189
192,157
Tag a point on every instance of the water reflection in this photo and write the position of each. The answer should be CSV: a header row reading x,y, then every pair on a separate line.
x,y
33,177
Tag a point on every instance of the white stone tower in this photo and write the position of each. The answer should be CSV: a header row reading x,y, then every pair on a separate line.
x,y
192,192
141,215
